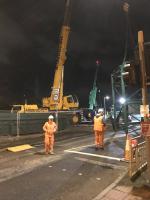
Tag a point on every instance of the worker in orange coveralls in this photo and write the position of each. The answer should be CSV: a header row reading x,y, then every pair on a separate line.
x,y
50,129
99,129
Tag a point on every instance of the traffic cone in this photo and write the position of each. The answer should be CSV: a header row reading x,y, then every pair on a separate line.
x,y
128,148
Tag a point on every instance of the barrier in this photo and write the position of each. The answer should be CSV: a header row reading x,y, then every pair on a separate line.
x,y
138,160
130,143
145,128
29,123
128,148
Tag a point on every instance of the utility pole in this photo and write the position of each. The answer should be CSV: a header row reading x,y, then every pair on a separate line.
x,y
143,67
113,101
125,115
124,96
144,92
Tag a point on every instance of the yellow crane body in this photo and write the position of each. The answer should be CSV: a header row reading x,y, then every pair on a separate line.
x,y
57,100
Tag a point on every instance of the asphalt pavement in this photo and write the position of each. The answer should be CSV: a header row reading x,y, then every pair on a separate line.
x,y
76,171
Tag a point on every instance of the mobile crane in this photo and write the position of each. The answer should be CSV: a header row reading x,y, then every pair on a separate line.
x,y
57,101
88,113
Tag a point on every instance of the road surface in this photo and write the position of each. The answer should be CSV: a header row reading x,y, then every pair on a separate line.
x,y
76,170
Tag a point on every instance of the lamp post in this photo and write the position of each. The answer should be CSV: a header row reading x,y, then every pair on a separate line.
x,y
105,98
122,100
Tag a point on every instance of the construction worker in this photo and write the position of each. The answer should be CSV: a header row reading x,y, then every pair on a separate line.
x,y
50,129
99,128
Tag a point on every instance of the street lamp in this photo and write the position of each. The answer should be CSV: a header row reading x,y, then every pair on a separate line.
x,y
122,100
105,98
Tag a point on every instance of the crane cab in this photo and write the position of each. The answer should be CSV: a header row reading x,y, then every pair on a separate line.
x,y
70,102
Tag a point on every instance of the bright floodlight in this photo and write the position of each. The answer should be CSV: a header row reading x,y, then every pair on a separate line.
x,y
122,100
107,97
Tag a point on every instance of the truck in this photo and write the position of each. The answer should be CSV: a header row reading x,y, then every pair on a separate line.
x,y
57,100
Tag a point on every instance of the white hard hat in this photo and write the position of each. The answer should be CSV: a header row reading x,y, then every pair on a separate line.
x,y
100,110
51,117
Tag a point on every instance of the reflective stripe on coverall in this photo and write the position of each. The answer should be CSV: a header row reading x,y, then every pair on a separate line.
x,y
50,129
99,131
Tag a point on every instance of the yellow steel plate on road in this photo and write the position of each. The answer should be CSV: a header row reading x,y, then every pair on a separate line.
x,y
20,148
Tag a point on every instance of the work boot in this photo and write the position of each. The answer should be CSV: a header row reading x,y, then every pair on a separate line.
x,y
96,148
102,147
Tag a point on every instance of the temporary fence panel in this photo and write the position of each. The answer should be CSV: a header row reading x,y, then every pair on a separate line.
x,y
145,128
138,159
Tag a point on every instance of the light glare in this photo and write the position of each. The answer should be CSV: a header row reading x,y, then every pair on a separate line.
x,y
122,100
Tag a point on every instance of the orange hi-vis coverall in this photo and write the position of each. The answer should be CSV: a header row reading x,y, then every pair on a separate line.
x,y
49,128
99,131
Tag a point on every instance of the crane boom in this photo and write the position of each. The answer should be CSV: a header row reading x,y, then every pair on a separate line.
x,y
93,92
57,101
56,97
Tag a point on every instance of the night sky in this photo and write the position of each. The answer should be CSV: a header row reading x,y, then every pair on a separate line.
x,y
29,39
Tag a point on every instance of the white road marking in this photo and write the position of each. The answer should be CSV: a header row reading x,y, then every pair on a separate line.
x,y
94,155
100,163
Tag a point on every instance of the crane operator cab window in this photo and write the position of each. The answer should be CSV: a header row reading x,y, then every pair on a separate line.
x,y
15,108
70,99
75,99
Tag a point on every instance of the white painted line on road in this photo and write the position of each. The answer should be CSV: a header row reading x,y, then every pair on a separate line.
x,y
94,155
111,186
103,164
